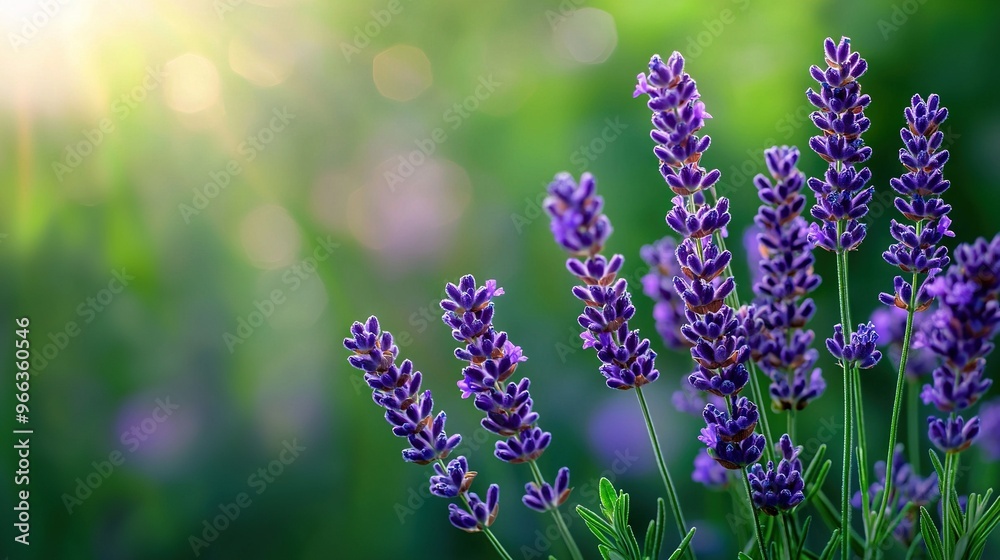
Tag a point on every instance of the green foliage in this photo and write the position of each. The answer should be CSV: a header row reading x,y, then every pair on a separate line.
x,y
615,536
966,534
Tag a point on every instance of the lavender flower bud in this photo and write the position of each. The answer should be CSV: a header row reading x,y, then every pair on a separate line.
x,y
860,350
482,515
841,195
786,277
778,489
577,222
548,496
952,435
910,492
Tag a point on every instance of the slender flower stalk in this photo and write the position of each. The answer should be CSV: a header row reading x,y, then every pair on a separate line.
x,y
918,250
715,331
627,361
841,202
903,497
410,412
783,349
492,359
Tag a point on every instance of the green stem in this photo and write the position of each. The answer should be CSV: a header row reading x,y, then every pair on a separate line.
x,y
668,483
896,402
574,550
913,411
753,510
946,491
845,492
484,530
786,539
791,424
859,422
496,544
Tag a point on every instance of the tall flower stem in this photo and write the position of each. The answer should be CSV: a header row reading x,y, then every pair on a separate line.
x,y
912,425
753,510
897,401
574,550
947,488
664,473
845,492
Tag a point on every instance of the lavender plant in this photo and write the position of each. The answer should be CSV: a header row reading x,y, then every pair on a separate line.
x,y
410,413
492,359
940,320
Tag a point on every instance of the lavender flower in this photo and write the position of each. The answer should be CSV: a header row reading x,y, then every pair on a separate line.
x,y
778,489
397,390
841,196
860,350
410,412
627,361
909,493
716,333
577,222
492,359
786,277
481,513
548,496
659,286
964,326
917,249
708,471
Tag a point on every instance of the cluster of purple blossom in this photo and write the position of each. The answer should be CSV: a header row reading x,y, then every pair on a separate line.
x,y
492,359
717,333
697,309
410,412
783,348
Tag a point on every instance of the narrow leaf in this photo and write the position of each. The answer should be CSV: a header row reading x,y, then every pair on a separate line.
x,y
930,533
683,546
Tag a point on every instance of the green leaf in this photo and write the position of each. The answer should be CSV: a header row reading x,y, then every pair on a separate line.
x,y
814,463
653,542
607,498
682,546
813,487
930,533
743,556
831,547
914,547
937,465
802,537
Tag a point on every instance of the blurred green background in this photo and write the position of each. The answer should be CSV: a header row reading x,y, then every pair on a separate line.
x,y
170,167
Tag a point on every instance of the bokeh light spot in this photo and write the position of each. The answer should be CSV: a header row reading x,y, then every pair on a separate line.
x,y
192,83
401,72
588,35
270,237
